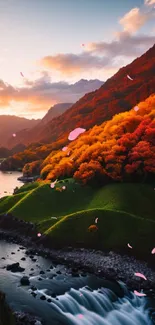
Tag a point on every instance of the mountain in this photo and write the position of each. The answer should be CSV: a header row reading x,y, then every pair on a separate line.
x,y
118,94
78,89
10,124
55,111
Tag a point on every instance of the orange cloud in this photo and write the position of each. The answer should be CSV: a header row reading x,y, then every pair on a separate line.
x,y
134,20
74,63
39,95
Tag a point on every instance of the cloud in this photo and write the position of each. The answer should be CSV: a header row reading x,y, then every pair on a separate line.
x,y
126,45
134,20
74,63
149,2
40,94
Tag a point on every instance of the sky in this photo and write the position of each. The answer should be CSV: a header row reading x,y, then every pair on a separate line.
x,y
48,45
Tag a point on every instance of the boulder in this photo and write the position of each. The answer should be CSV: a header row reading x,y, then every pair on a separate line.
x,y
25,280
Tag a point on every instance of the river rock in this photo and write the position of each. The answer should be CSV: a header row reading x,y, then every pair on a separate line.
x,y
23,259
43,297
15,267
42,272
25,280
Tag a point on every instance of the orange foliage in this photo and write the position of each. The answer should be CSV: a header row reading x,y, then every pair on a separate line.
x,y
114,150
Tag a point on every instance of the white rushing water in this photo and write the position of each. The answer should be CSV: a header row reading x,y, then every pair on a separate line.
x,y
100,307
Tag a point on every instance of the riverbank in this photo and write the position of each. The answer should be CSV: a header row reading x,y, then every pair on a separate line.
x,y
108,265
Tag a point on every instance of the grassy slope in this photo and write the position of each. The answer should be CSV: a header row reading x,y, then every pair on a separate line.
x,y
125,212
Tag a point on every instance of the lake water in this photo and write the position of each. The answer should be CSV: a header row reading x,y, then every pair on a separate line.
x,y
71,302
8,182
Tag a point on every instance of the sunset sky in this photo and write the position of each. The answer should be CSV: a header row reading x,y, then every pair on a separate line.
x,y
42,39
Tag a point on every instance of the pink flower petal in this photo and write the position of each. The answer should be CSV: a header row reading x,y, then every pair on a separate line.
x,y
136,108
52,185
80,316
129,77
140,275
96,220
21,74
63,187
129,245
153,251
14,135
75,133
64,148
39,234
139,294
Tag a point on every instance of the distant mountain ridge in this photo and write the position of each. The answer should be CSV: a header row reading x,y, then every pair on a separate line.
x,y
80,87
55,111
10,124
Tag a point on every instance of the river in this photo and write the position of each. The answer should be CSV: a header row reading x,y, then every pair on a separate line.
x,y
8,182
71,302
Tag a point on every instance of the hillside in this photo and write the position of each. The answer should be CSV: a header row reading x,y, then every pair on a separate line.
x,y
13,124
122,149
37,133
124,209
55,111
118,94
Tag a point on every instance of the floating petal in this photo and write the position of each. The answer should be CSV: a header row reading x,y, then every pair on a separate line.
x,y
96,220
129,77
64,148
153,251
14,135
52,185
136,108
129,245
139,294
140,275
39,234
75,133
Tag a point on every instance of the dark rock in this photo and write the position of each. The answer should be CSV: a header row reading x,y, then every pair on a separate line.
x,y
23,259
12,253
43,297
33,288
40,279
15,267
3,258
49,300
48,270
33,294
32,269
53,295
42,272
58,272
25,280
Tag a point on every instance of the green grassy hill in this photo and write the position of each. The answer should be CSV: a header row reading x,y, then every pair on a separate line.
x,y
125,212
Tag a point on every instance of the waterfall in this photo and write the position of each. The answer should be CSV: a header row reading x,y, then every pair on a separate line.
x,y
100,307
